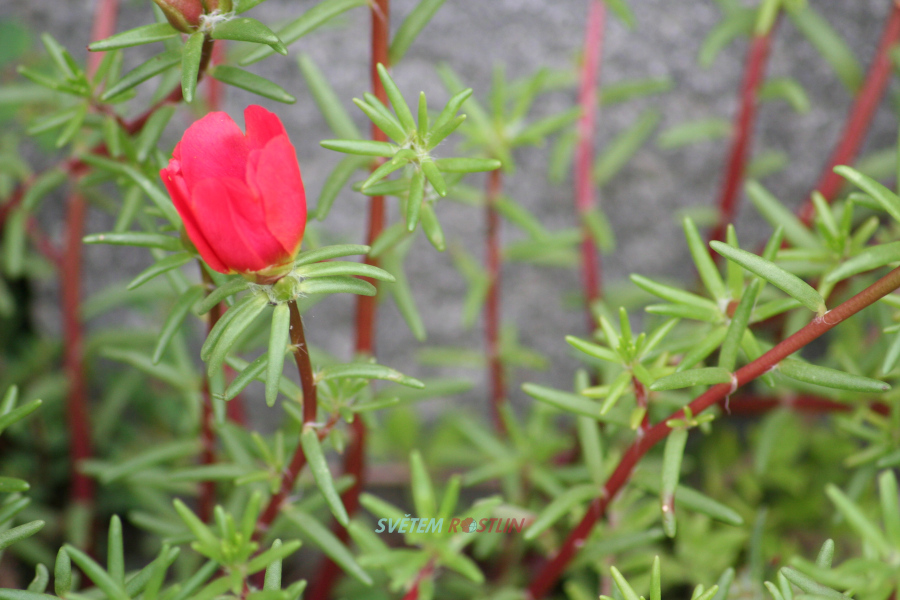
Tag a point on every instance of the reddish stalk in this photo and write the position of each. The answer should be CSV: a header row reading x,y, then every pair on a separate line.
x,y
355,458
73,333
310,404
492,303
860,117
585,194
104,25
742,132
207,502
550,573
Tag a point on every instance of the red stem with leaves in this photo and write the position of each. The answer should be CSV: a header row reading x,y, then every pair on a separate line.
x,y
551,571
585,192
354,459
77,400
492,302
861,114
742,132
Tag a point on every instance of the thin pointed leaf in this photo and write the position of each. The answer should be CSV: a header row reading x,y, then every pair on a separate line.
x,y
251,82
707,269
831,378
692,377
309,439
312,19
145,71
337,285
409,29
327,100
245,29
279,336
777,215
190,64
788,283
174,321
624,146
146,34
367,371
164,265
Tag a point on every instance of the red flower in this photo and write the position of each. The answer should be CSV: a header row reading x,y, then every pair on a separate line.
x,y
240,196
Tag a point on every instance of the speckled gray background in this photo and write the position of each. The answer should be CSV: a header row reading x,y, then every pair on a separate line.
x,y
472,37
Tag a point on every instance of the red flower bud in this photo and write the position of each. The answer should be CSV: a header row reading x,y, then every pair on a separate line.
x,y
184,15
240,196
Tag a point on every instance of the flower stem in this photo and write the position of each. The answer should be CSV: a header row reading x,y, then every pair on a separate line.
x,y
585,194
551,571
860,117
492,304
742,132
308,385
77,400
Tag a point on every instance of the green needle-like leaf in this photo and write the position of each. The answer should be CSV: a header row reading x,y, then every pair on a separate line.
x,y
328,253
385,121
692,377
671,472
219,294
244,29
361,147
559,507
145,34
707,269
346,268
329,543
337,285
279,336
233,330
401,109
190,64
409,29
888,199
739,321
831,378
113,589
367,371
777,215
312,19
868,259
624,146
327,100
309,439
164,265
145,71
830,45
251,82
565,401
627,591
424,498
414,200
141,239
790,284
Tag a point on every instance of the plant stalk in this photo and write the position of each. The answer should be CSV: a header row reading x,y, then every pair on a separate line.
x,y
550,573
585,192
308,385
860,116
742,132
355,458
492,304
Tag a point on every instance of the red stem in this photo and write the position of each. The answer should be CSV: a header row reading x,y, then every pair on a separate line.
x,y
861,114
492,303
77,401
105,17
552,570
354,460
742,132
207,501
310,404
585,194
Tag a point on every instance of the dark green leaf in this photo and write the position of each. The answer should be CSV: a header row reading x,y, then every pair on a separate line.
x,y
145,34
251,82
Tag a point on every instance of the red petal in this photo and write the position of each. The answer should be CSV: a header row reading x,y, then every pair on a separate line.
x,y
262,126
212,148
275,175
232,219
174,182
